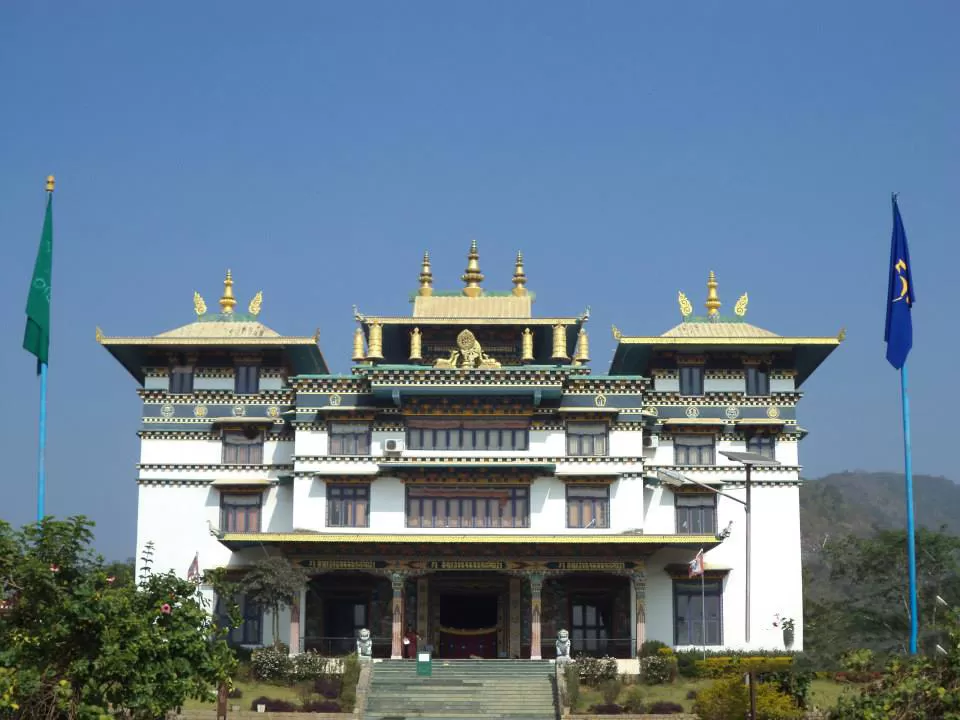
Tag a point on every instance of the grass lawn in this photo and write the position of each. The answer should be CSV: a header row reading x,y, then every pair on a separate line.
x,y
251,690
823,693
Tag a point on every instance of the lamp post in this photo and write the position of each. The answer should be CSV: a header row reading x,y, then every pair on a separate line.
x,y
748,460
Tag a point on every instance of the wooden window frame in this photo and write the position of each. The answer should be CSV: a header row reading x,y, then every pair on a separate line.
x,y
229,511
357,437
757,381
231,444
692,589
348,510
576,505
446,507
577,442
678,443
709,504
457,434
177,385
692,375
764,444
246,379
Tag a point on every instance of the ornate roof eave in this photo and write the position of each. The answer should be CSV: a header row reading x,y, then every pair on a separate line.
x,y
459,321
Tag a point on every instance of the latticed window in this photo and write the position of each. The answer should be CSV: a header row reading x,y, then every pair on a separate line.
x,y
698,613
460,434
696,514
465,507
762,444
349,438
691,380
694,450
758,380
181,380
588,506
587,438
240,512
246,380
243,447
348,505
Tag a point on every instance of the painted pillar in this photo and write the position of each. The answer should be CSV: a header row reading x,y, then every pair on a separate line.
x,y
515,612
536,586
396,645
639,582
295,622
423,611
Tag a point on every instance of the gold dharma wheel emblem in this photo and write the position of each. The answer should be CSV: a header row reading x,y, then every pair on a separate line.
x,y
167,410
273,411
466,340
239,411
773,412
600,400
335,400
692,411
200,411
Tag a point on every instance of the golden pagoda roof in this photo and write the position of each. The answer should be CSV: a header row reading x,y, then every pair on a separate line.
x,y
718,330
461,306
212,329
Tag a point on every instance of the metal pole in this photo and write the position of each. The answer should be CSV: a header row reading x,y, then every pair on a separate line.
x,y
41,464
746,603
703,609
911,543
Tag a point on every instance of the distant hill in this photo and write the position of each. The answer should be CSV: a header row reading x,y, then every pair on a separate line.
x,y
862,503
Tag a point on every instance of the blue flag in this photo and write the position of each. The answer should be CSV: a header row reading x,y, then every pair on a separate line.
x,y
899,330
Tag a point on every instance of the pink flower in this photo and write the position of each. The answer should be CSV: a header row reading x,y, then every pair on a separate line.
x,y
165,609
54,568
110,579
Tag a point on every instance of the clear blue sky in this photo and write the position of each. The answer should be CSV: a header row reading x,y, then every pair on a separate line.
x,y
627,147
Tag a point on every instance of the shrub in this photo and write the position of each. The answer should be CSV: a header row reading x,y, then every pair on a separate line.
x,y
593,671
235,693
691,694
687,663
650,648
665,707
610,691
660,668
271,663
273,704
857,661
321,706
349,678
720,666
309,665
328,686
728,699
633,700
572,675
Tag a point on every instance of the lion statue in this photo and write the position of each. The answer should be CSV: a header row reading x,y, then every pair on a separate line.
x,y
364,644
563,646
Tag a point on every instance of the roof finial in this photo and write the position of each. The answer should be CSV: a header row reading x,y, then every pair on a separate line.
x,y
227,302
713,300
519,277
472,275
426,277
50,183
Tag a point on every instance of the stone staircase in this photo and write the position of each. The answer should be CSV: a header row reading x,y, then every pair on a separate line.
x,y
462,690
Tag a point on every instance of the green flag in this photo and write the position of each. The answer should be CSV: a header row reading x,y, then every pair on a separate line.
x,y
36,336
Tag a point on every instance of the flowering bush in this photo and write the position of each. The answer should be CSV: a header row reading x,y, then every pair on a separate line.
x,y
270,663
593,671
310,666
660,668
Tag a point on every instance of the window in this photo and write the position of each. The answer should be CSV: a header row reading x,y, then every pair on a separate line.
x,y
589,626
758,381
243,447
246,380
349,438
240,512
348,505
465,507
696,514
588,506
693,450
689,615
250,631
456,434
765,445
181,380
587,439
691,380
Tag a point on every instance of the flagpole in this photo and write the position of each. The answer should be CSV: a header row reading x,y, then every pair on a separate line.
x,y
911,542
703,608
41,464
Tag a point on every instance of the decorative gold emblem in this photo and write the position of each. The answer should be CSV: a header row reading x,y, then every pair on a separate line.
x,y
239,410
651,410
199,306
468,355
842,335
901,269
773,412
685,307
254,308
616,333
227,301
600,400
273,411
167,410
741,307
732,412
200,411
692,411
334,400
99,335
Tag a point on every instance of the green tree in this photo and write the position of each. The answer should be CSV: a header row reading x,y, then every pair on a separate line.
x,y
76,643
273,583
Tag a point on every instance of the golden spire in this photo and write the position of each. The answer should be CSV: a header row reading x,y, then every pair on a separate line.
x,y
50,183
519,277
713,300
358,354
472,275
426,277
228,301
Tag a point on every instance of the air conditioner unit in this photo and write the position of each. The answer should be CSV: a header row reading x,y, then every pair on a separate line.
x,y
393,447
651,441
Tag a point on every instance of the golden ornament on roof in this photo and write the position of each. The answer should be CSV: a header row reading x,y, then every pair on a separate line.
x,y
741,307
713,299
228,301
685,307
199,306
255,304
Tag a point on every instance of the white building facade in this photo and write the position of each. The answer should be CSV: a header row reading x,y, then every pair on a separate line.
x,y
471,481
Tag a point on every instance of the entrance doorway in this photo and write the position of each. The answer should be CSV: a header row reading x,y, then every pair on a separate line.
x,y
468,625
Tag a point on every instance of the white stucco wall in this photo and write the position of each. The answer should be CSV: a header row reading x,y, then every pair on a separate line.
x,y
155,451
